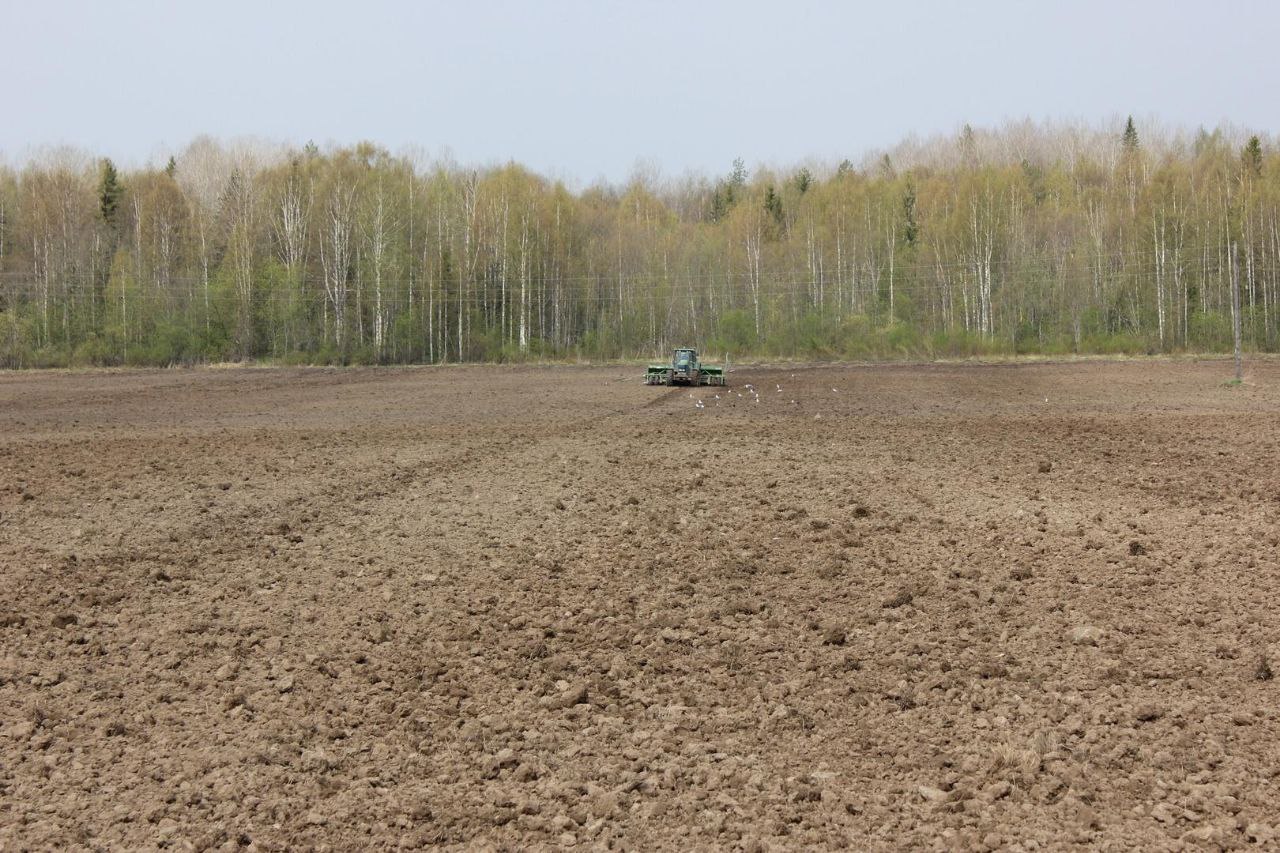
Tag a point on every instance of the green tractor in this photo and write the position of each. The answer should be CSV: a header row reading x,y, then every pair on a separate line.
x,y
684,369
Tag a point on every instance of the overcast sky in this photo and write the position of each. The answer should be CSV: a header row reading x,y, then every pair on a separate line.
x,y
586,89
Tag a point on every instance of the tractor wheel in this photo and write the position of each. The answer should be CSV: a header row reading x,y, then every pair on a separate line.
x,y
671,378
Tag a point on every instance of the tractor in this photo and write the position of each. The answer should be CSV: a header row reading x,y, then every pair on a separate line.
x,y
684,369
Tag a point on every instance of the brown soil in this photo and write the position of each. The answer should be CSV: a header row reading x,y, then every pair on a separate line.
x,y
898,606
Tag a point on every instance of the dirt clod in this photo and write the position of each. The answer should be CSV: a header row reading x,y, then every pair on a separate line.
x,y
235,700
1147,713
834,636
1262,671
574,694
931,794
1086,635
900,598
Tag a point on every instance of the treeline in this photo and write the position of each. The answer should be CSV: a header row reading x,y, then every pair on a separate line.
x,y
1030,238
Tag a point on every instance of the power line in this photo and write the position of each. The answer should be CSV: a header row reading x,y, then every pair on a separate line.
x,y
1021,260
605,288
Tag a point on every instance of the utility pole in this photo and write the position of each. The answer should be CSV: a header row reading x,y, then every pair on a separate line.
x,y
1235,307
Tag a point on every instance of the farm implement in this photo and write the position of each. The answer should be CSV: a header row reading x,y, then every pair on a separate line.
x,y
685,369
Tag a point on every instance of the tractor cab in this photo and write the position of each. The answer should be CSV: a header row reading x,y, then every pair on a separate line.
x,y
684,369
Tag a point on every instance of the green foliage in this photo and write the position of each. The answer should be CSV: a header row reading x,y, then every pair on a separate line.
x,y
1207,142
96,350
773,207
1251,157
1034,177
962,344
728,191
910,228
803,180
968,146
735,332
170,344
721,201
985,256
109,192
1116,343
1129,139
1210,331
15,340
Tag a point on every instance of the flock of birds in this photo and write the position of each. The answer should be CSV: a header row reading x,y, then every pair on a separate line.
x,y
752,394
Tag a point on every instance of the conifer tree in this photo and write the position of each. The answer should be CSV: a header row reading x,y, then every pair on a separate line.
x,y
1130,137
911,228
803,180
1252,157
109,192
773,205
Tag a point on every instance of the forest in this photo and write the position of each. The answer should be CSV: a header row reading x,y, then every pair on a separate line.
x,y
1026,238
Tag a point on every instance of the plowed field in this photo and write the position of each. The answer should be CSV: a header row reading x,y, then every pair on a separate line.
x,y
1027,607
